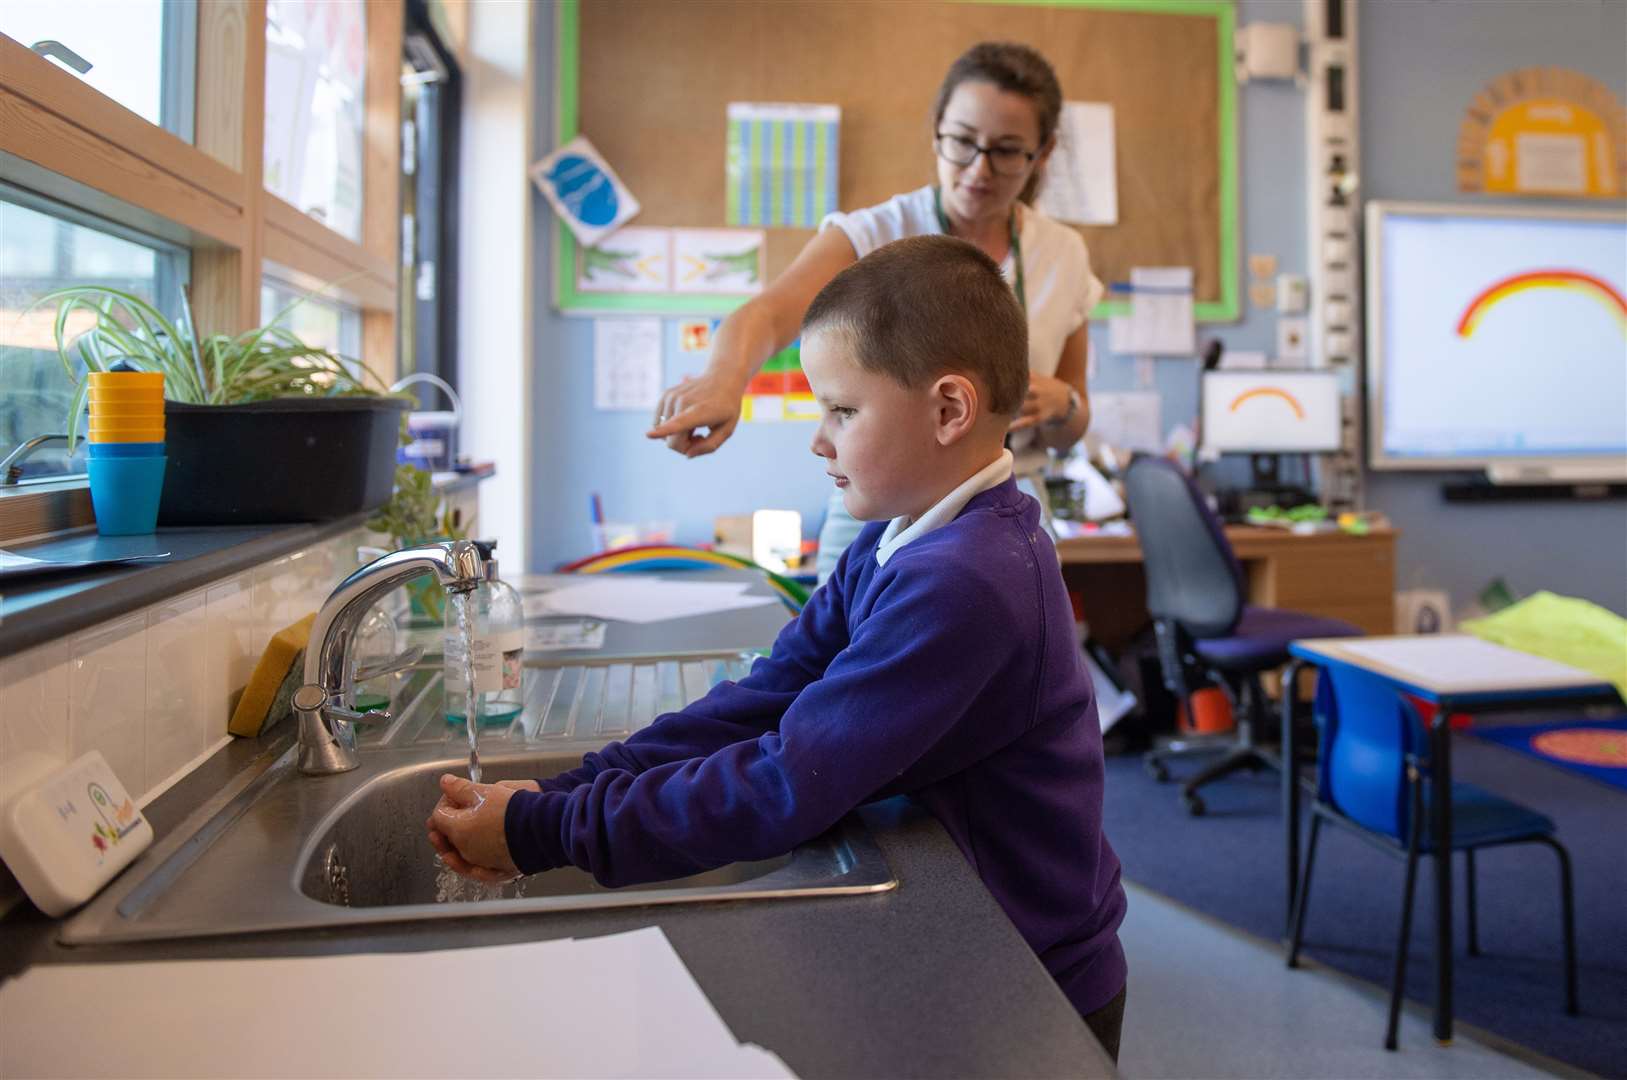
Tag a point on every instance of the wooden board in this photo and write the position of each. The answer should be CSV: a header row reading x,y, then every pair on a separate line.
x,y
648,82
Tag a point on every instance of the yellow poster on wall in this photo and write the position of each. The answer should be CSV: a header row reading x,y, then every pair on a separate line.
x,y
1544,131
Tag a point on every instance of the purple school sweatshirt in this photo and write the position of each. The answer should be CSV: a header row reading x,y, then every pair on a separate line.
x,y
951,675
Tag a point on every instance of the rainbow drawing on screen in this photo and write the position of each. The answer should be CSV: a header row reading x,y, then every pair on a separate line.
x,y
1570,280
1269,391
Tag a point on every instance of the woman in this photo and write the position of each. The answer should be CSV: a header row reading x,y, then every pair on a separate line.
x,y
994,127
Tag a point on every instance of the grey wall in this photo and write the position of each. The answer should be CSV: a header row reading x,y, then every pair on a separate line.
x,y
1422,60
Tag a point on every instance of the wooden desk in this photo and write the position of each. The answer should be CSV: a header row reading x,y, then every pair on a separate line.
x,y
1336,574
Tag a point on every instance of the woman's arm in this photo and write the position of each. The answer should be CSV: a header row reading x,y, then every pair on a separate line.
x,y
756,331
1048,408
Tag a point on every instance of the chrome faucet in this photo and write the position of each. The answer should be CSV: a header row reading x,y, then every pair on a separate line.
x,y
327,736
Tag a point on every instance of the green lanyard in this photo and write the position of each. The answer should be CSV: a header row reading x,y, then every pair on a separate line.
x,y
1016,245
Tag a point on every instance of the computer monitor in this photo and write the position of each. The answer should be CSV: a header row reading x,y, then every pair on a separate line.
x,y
1271,412
1497,339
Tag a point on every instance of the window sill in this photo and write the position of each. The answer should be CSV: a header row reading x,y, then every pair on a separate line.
x,y
33,510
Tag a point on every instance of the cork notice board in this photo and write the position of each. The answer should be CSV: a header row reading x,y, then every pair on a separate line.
x,y
649,83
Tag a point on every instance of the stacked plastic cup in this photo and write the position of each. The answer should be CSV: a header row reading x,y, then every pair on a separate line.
x,y
126,450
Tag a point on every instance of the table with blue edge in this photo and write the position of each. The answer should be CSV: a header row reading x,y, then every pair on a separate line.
x,y
1457,674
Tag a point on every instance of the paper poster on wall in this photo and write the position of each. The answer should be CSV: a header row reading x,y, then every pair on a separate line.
x,y
1543,131
630,260
1081,178
584,191
781,163
626,364
1160,319
717,260
780,391
1127,420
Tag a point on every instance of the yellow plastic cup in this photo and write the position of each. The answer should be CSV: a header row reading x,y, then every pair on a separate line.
x,y
127,410
151,382
133,432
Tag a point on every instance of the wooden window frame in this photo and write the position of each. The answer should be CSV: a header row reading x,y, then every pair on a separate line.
x,y
66,140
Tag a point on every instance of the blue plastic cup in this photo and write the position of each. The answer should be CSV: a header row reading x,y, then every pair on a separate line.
x,y
124,492
125,449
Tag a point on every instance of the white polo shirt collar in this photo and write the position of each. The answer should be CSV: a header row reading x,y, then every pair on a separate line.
x,y
901,530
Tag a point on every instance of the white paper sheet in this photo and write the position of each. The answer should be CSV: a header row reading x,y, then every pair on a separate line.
x,y
1101,500
626,364
718,260
557,636
629,260
1460,662
1081,183
584,190
623,1005
1160,320
639,598
1127,420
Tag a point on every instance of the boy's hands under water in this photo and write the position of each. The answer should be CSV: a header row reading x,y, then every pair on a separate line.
x,y
466,827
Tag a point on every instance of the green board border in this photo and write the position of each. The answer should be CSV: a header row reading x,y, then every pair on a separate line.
x,y
1228,308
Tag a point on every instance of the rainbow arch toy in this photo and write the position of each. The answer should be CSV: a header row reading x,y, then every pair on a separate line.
x,y
645,558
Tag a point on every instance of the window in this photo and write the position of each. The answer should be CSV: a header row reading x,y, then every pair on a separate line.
x,y
430,88
43,247
140,53
316,60
315,320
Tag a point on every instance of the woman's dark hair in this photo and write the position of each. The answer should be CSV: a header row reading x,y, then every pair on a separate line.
x,y
1016,69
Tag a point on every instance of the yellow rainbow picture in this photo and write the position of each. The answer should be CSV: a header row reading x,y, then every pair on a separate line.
x,y
1570,280
1269,391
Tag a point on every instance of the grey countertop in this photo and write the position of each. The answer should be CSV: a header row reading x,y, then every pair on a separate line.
x,y
37,610
928,979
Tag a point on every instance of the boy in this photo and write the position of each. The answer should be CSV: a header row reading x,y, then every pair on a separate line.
x,y
939,660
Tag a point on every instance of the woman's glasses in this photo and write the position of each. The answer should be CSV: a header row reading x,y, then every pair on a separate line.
x,y
1004,160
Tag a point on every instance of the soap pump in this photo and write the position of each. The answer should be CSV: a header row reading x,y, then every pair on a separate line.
x,y
496,639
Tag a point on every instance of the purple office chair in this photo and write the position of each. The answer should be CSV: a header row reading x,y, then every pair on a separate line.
x,y
1207,633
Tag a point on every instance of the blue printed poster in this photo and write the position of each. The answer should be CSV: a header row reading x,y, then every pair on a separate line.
x,y
584,191
781,163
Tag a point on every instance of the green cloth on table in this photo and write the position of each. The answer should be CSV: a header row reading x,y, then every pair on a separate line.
x,y
1563,628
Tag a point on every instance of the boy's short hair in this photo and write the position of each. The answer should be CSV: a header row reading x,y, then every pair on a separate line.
x,y
925,305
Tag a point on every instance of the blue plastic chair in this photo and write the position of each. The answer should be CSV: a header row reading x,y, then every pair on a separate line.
x,y
1374,776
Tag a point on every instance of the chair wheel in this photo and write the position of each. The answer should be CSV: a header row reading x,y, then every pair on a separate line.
x,y
1156,770
1193,803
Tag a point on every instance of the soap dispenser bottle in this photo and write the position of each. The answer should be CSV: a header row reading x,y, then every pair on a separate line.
x,y
497,640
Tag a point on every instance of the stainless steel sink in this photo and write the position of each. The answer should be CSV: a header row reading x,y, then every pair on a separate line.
x,y
277,850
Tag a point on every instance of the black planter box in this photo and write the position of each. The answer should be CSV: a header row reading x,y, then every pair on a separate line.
x,y
278,461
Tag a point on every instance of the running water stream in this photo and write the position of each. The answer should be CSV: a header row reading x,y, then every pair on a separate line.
x,y
460,603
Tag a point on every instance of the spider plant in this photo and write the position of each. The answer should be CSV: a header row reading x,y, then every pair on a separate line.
x,y
221,369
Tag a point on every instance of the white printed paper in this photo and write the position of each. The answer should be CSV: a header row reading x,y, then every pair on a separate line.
x,y
1081,182
1127,420
717,260
1160,322
626,364
584,191
640,598
519,1010
557,636
635,260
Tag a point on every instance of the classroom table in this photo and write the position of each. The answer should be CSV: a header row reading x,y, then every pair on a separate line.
x,y
1457,674
1339,575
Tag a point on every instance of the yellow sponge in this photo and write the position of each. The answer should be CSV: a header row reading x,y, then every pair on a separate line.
x,y
268,696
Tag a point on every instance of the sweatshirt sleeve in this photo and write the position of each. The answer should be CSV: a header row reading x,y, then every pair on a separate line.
x,y
731,712
891,710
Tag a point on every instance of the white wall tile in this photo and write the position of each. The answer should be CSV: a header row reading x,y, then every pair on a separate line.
x,y
107,696
178,697
34,702
234,647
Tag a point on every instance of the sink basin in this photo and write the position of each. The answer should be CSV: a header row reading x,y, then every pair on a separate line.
x,y
277,850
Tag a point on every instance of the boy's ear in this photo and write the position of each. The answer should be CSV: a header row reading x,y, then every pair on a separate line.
x,y
956,406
